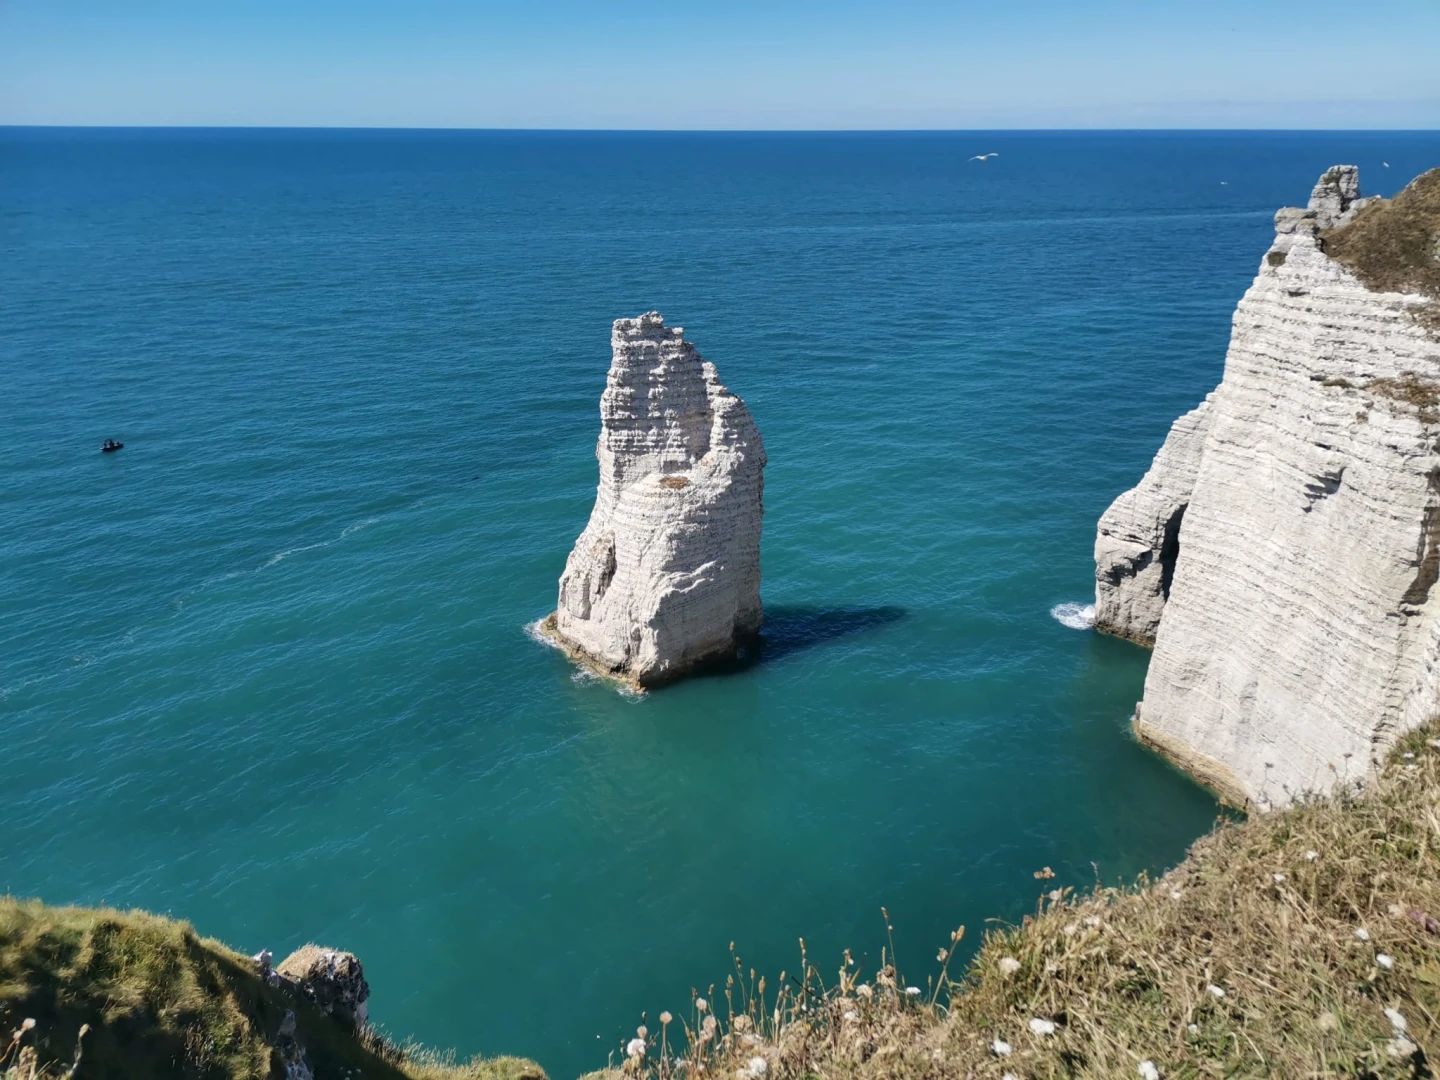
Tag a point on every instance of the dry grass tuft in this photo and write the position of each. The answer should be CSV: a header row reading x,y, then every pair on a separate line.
x,y
102,993
1304,943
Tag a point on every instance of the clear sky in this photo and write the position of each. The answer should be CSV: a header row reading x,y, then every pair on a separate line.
x,y
747,64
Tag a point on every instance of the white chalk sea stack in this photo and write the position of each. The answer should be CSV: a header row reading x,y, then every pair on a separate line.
x,y
1282,551
666,575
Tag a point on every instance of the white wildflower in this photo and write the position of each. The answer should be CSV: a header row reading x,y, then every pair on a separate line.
x,y
1215,991
1385,960
635,1048
1194,1029
1147,1070
850,1015
1042,1027
665,1017
757,1066
1400,1047
1397,1019
1008,965
1408,756
913,991
1055,895
1000,1048
1279,879
1311,855
1361,934
864,990
701,1004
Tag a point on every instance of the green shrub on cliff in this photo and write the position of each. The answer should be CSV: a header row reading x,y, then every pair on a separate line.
x,y
127,994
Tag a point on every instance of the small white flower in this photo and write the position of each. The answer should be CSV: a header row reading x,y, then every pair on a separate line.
x,y
1311,855
1397,1019
1194,1029
1279,879
1408,756
1215,991
1385,960
1042,1027
850,1015
1055,895
701,1004
913,991
864,990
757,1066
1008,965
635,1048
1361,934
1147,1070
1000,1048
1400,1047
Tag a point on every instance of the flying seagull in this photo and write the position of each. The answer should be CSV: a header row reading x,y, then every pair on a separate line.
x,y
986,157
1386,164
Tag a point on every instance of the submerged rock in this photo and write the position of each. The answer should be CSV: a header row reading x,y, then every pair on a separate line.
x,y
1281,552
666,575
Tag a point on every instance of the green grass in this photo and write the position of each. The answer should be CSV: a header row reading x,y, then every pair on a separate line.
x,y
157,1000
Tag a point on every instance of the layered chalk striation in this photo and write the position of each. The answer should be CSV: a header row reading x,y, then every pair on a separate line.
x,y
666,575
1281,553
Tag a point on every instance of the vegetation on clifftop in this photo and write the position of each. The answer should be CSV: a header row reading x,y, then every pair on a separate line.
x,y
154,999
1303,943
1393,245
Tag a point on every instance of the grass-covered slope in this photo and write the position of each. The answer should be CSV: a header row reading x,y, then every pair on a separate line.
x,y
1304,943
1393,245
154,999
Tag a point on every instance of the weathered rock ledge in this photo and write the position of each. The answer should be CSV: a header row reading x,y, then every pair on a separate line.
x,y
1281,552
665,577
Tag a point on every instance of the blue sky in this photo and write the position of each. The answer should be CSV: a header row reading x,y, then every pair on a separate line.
x,y
723,64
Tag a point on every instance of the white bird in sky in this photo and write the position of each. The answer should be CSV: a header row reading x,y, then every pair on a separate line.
x,y
986,157
1386,164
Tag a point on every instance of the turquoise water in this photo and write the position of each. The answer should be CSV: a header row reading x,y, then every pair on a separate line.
x,y
266,668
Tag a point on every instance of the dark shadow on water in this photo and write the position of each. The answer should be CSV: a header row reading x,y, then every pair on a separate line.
x,y
790,629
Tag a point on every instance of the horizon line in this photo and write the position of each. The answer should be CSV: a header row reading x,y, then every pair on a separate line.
x,y
707,130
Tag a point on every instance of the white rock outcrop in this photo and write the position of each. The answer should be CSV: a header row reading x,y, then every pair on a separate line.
x,y
666,575
1282,551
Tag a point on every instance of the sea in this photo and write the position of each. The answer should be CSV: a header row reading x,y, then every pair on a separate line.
x,y
267,668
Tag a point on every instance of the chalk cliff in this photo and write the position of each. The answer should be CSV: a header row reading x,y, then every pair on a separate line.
x,y
666,575
1281,552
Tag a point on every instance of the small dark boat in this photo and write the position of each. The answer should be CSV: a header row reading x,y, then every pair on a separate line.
x,y
109,446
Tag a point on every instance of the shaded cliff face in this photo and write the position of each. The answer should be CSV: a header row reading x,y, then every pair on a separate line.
x,y
1282,550
666,574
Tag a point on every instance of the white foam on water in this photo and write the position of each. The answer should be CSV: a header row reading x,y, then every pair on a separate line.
x,y
349,530
1074,616
581,676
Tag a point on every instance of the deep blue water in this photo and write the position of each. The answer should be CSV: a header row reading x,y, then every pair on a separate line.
x,y
266,667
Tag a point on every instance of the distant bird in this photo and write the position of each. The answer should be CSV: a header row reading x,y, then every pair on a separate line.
x,y
1386,164
1223,183
986,157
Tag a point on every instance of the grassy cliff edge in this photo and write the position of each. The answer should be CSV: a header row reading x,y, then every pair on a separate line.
x,y
1301,943
101,993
